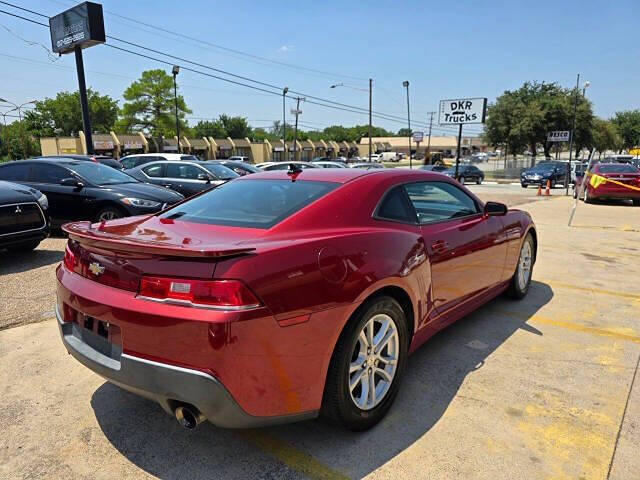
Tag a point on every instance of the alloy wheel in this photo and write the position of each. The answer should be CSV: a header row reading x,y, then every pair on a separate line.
x,y
108,215
374,361
524,265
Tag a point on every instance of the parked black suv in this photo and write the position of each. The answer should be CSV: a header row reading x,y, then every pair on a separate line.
x,y
466,173
555,172
81,190
24,221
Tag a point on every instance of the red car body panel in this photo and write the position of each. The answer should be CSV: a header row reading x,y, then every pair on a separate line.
x,y
310,272
610,189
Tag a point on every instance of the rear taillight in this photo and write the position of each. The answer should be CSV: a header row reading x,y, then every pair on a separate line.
x,y
223,294
69,259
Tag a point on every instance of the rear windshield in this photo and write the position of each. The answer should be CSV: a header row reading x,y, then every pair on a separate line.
x,y
250,203
617,168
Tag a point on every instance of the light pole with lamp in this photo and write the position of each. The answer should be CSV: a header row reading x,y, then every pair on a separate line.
x,y
573,129
175,71
406,85
585,86
284,123
370,103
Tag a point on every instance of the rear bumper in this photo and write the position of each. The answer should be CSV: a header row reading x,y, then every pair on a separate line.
x,y
169,385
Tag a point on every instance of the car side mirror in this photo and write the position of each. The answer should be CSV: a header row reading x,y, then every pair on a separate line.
x,y
495,209
71,182
202,176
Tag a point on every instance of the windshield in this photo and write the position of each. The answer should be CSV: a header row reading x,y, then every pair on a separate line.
x,y
543,167
617,168
99,174
250,203
220,171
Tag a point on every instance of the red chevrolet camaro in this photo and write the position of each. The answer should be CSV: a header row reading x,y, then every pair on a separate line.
x,y
281,295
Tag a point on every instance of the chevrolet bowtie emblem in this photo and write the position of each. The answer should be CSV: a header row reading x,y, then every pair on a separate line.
x,y
96,268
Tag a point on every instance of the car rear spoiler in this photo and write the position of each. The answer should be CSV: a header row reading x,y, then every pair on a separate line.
x,y
84,233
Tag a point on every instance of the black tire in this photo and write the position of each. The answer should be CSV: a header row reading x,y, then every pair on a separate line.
x,y
636,202
517,290
479,181
24,247
586,197
110,211
337,402
523,185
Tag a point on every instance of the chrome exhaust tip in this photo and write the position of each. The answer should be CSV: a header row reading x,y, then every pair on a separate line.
x,y
189,416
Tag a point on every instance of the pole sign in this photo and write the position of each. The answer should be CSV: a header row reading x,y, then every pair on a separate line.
x,y
558,136
418,136
462,111
82,25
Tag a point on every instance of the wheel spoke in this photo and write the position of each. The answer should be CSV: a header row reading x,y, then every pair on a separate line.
x,y
356,379
384,374
384,328
386,360
383,343
372,388
357,364
369,329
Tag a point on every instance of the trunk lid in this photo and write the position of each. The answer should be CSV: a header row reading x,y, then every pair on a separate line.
x,y
119,252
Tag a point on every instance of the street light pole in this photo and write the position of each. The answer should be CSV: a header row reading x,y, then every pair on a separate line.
x,y
429,141
370,95
573,128
295,131
284,123
175,71
406,85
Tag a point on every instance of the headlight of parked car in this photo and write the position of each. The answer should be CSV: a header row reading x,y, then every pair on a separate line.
x,y
140,202
43,201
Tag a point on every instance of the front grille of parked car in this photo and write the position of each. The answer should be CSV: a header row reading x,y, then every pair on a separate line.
x,y
20,217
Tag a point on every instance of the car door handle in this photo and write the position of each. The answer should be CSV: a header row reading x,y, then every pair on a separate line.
x,y
440,246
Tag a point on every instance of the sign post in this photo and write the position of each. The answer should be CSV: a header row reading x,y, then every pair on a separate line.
x,y
557,137
461,111
418,137
72,30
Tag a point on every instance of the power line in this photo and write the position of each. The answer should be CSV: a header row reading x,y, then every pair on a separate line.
x,y
319,101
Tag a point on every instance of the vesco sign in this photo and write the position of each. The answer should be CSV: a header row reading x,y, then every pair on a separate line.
x,y
82,25
558,136
461,111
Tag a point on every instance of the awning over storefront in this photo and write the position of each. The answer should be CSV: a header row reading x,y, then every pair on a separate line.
x,y
103,142
223,143
241,143
198,144
131,142
170,145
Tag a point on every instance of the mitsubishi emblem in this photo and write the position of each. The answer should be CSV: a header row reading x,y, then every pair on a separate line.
x,y
96,268
18,210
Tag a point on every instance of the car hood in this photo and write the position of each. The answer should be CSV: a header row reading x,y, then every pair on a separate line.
x,y
146,191
16,193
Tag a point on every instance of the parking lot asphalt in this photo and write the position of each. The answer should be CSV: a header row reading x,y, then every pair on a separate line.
x,y
541,388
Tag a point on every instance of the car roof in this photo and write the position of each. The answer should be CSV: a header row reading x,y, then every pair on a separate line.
x,y
168,156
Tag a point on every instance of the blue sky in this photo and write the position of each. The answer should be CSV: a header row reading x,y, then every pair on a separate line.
x,y
445,49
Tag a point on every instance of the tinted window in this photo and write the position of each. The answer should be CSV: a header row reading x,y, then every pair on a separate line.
x,y
154,171
129,162
189,157
436,201
99,174
278,166
176,170
250,203
220,171
617,168
44,173
15,171
394,206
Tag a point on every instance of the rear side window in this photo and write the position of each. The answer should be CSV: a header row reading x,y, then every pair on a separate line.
x,y
177,170
129,162
250,203
394,206
18,172
617,168
49,174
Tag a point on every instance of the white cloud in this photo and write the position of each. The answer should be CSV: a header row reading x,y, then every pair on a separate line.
x,y
286,48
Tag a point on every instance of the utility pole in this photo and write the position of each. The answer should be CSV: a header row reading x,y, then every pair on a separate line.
x,y
573,128
84,103
284,123
370,94
297,112
458,152
429,141
406,85
175,71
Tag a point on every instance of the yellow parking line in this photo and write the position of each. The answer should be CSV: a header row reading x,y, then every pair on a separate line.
x,y
292,457
553,283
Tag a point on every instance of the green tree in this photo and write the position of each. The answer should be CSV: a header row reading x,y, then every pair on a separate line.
x,y
236,127
17,142
63,114
208,128
404,132
628,125
149,105
605,136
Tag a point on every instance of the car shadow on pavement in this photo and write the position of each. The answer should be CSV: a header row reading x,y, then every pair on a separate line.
x,y
154,442
12,262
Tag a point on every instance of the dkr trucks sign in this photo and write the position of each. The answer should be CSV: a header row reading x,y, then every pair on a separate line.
x,y
462,111
82,25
